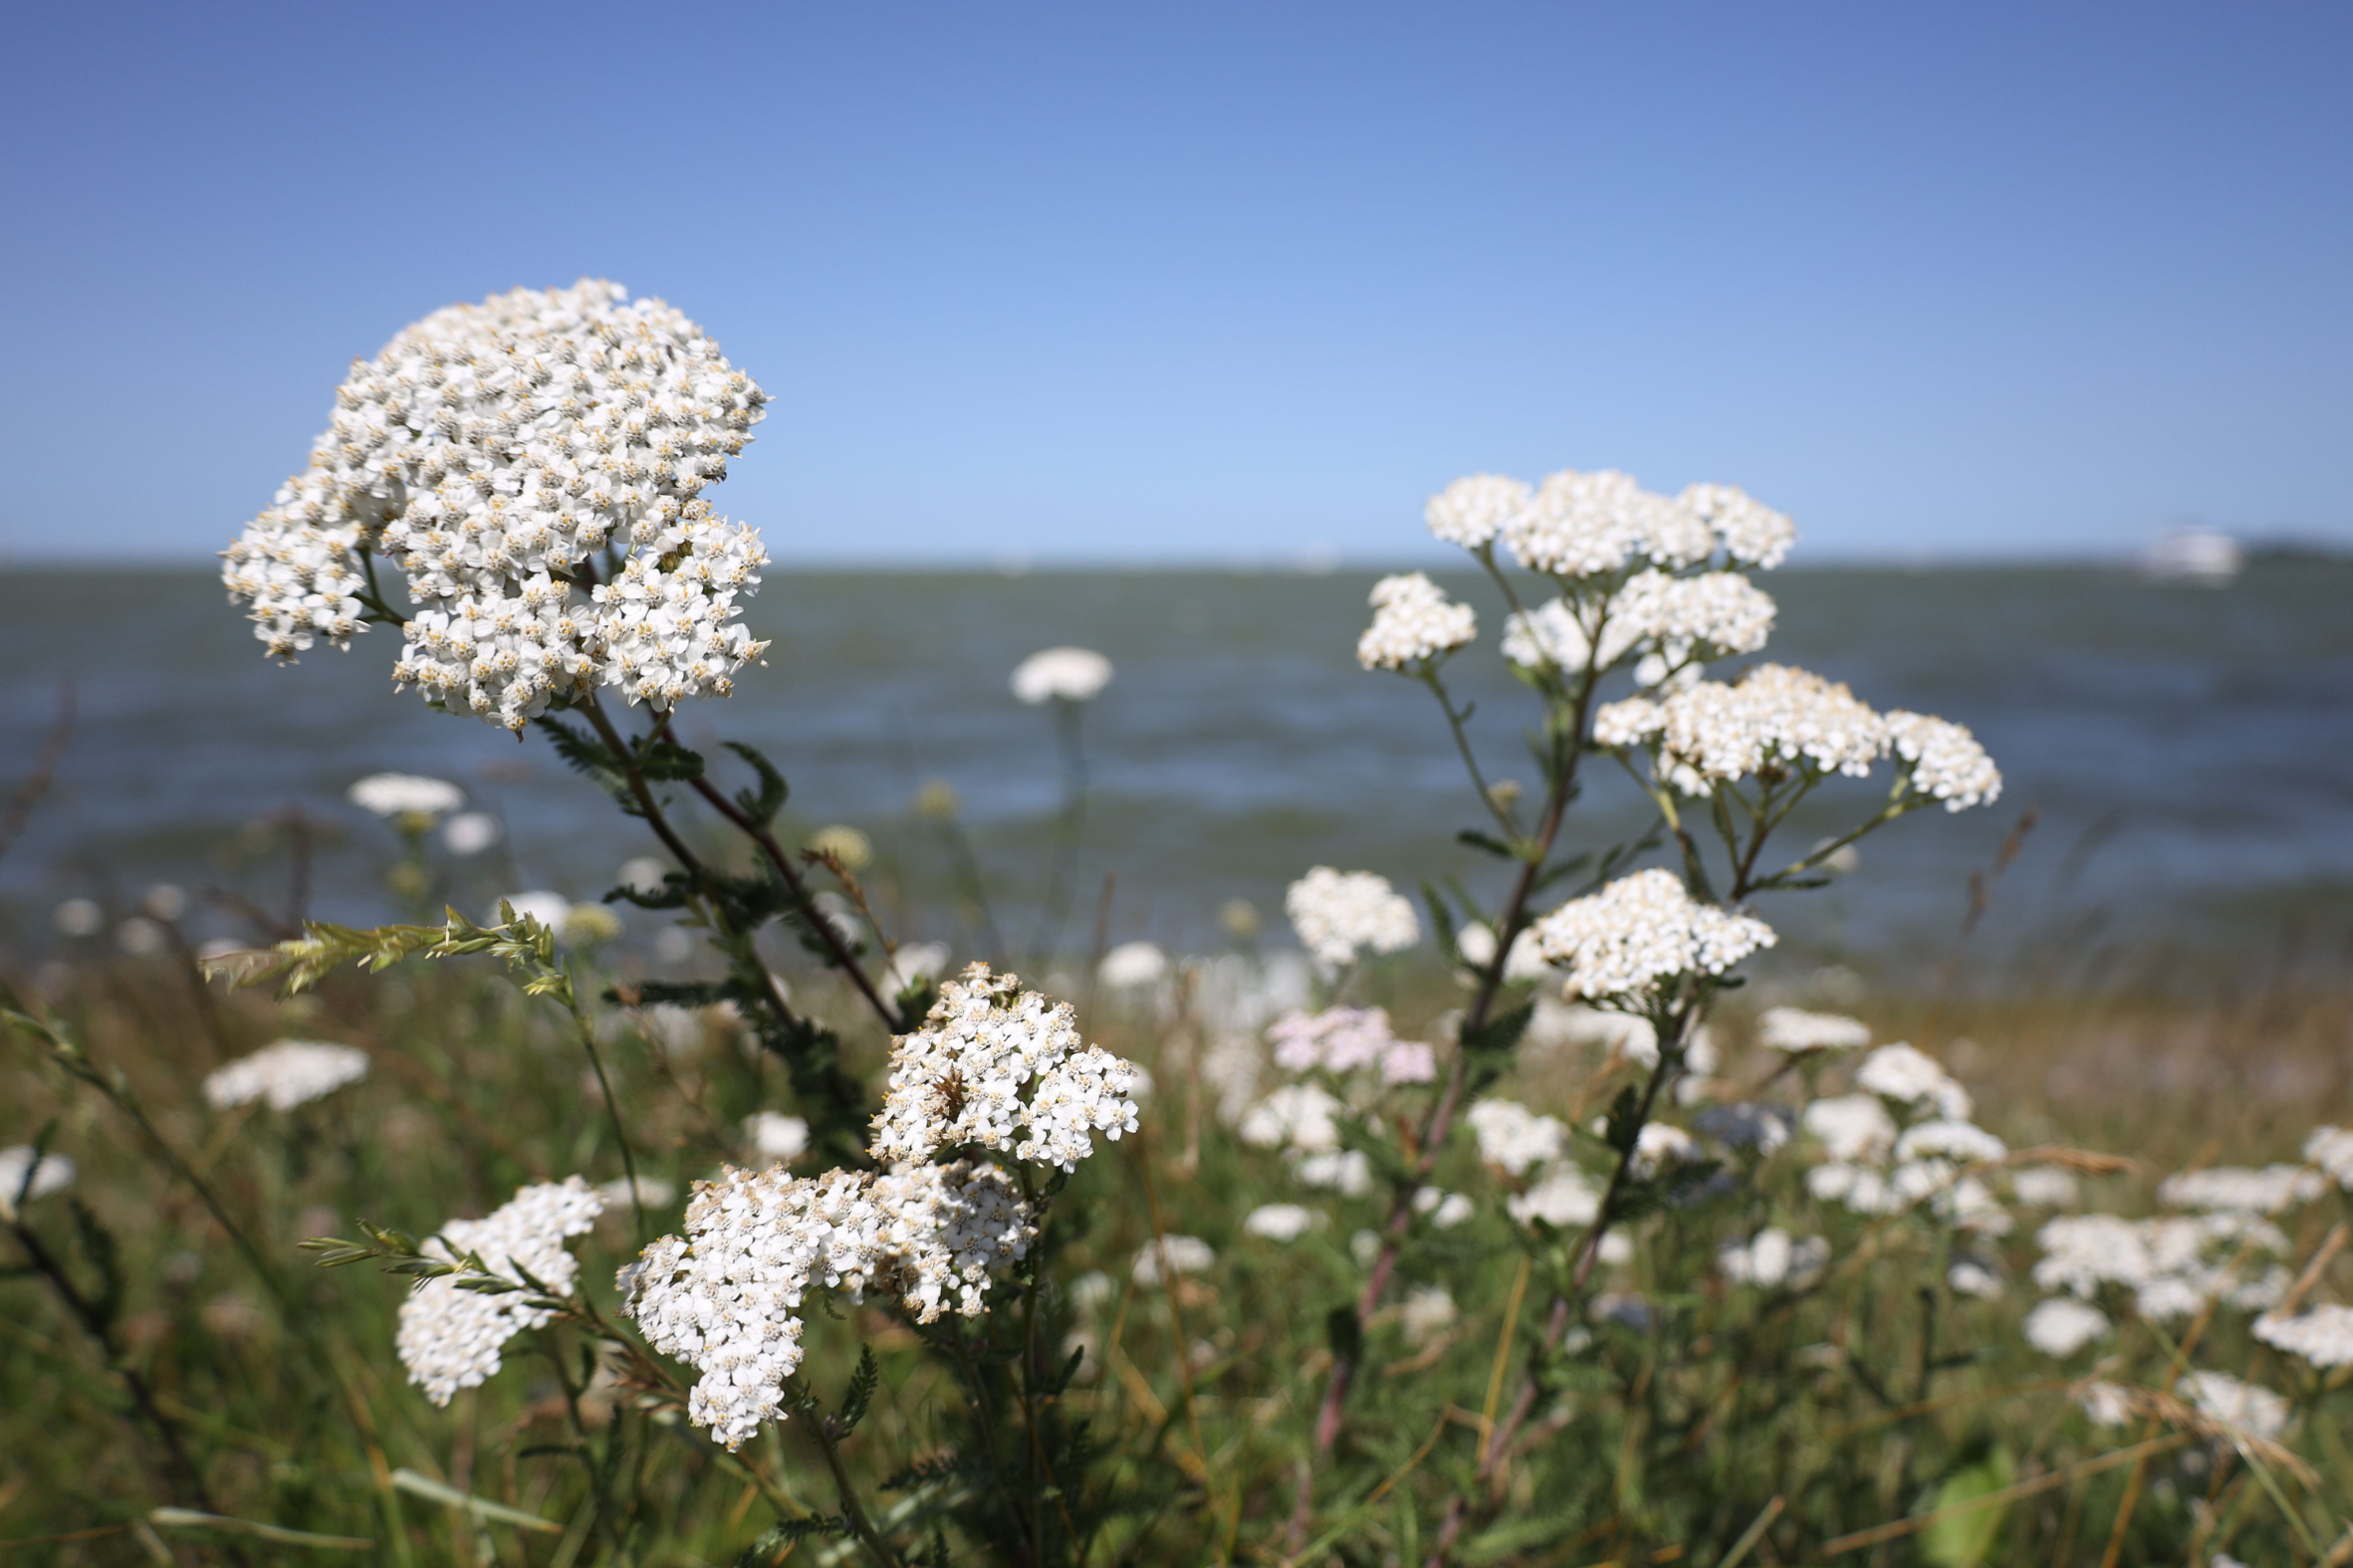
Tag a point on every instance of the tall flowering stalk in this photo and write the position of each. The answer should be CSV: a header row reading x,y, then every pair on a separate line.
x,y
1618,586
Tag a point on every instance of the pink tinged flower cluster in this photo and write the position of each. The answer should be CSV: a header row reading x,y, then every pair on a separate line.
x,y
1341,1040
1620,943
532,468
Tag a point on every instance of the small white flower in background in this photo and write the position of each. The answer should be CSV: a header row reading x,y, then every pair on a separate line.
x,y
1413,621
2061,1326
2045,1186
1642,929
488,451
1660,1145
2104,1404
548,909
2246,1407
450,1339
846,845
1793,1030
1062,674
1512,1136
2331,1149
1910,1076
19,1173
1426,1312
958,1080
643,874
2323,1335
1409,1061
1445,1210
2240,1189
80,917
1474,509
1772,1258
1963,1142
1338,914
1337,1039
405,794
286,1074
1094,1290
1131,965
652,1192
1858,1186
777,1136
1969,1277
1565,1197
1279,1221
1296,1116
1172,1256
917,961
672,1029
140,937
165,902
1347,1172
471,832
1364,1247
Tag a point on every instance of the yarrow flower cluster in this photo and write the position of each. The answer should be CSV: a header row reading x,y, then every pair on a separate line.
x,y
1795,1032
1776,720
1062,675
2174,1267
959,1081
287,1074
1338,914
1474,509
995,1067
2323,1335
1620,943
1341,1040
1906,1140
1413,621
1669,619
405,794
2234,1189
532,466
1512,1136
450,1337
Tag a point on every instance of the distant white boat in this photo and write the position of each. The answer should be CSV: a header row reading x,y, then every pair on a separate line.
x,y
2201,557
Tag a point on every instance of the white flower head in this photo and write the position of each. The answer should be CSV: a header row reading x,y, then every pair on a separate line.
x,y
1338,914
493,454
2244,1406
1413,621
1772,1259
1947,764
286,1074
1620,943
1301,1117
1565,1197
2062,1325
1794,1031
777,1136
999,1068
1172,1256
405,794
1063,674
21,1173
1586,525
1852,1127
2323,1335
1773,720
2234,1189
1131,965
1751,532
2331,1149
451,1338
1474,509
1910,1076
1513,1136
1279,1221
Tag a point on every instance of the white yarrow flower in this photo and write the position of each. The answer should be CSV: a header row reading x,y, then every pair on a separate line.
x,y
405,794
777,1136
286,1074
1131,965
1413,621
1794,1031
1946,763
493,454
1620,943
1580,525
1513,1136
2323,1335
2062,1325
1474,509
2234,1189
1172,1256
1279,1221
1910,1076
1062,674
450,1339
2331,1149
1338,914
2246,1407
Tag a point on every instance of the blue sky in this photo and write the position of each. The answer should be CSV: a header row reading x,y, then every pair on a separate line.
x,y
1218,281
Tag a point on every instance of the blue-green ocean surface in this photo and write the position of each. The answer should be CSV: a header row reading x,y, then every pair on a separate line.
x,y
2188,753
